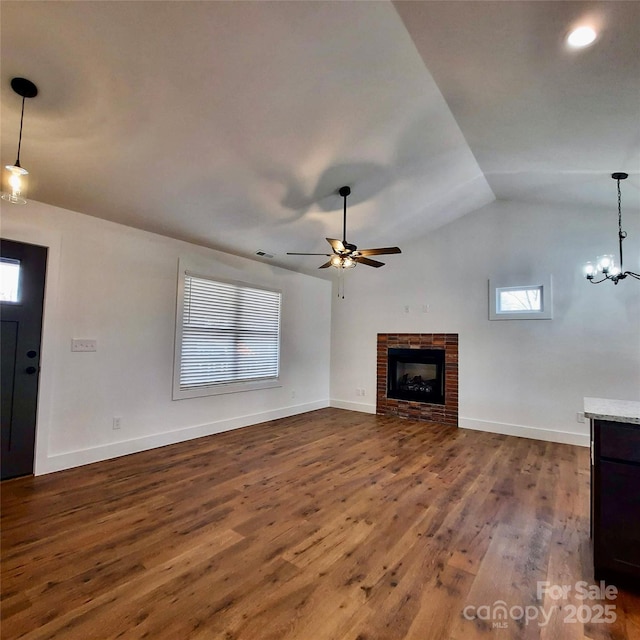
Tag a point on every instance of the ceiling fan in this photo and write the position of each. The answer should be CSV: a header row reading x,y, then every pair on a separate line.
x,y
346,255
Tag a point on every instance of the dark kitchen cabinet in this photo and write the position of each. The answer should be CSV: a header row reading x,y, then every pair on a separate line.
x,y
615,506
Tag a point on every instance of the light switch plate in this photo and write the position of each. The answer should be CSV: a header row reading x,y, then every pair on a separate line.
x,y
84,345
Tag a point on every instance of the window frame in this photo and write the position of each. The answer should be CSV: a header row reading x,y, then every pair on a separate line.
x,y
220,388
543,284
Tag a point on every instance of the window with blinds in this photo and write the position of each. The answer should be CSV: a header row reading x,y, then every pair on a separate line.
x,y
230,333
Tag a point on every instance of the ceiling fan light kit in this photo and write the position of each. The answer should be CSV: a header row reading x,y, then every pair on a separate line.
x,y
15,174
340,262
605,264
346,255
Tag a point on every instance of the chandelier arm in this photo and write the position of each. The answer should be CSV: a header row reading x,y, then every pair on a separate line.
x,y
633,275
592,281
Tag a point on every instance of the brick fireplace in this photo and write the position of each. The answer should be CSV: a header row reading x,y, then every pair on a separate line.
x,y
442,413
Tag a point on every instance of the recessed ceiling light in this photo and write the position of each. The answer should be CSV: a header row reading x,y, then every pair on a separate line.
x,y
581,37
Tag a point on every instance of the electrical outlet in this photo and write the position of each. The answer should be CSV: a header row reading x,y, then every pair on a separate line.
x,y
363,392
117,422
425,308
293,393
580,416
84,345
407,308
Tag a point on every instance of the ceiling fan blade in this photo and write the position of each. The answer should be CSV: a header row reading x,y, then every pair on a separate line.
x,y
325,265
336,245
370,263
379,252
289,253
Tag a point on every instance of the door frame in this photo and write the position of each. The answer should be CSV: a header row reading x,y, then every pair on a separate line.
x,y
24,231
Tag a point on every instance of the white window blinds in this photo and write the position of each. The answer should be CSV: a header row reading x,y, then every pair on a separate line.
x,y
230,333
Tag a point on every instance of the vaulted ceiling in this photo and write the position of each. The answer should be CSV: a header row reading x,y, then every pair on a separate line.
x,y
233,124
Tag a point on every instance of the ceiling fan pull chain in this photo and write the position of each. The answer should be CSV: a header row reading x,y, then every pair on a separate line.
x,y
341,283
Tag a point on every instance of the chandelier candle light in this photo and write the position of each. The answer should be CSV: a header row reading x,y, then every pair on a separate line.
x,y
15,174
605,267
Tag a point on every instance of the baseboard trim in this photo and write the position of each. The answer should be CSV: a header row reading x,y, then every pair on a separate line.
x,y
353,406
520,431
71,459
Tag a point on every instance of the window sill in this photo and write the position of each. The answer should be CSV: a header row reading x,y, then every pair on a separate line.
x,y
223,389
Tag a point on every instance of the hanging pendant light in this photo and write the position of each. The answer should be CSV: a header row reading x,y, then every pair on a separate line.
x,y
605,267
15,175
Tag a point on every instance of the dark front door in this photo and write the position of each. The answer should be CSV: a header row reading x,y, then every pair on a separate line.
x,y
22,276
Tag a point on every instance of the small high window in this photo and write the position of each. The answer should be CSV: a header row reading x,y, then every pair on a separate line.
x,y
520,302
519,299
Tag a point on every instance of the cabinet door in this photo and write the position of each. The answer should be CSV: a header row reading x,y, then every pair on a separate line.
x,y
619,441
617,518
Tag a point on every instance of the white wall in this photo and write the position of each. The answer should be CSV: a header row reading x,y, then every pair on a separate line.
x,y
117,285
524,377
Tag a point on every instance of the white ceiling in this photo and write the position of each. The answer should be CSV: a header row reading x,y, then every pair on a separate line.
x,y
233,124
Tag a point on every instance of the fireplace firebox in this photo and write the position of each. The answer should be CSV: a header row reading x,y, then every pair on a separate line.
x,y
445,412
416,375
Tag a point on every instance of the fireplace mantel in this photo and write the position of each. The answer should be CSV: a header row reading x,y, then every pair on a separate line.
x,y
446,413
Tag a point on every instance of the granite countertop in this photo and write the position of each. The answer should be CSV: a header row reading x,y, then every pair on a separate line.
x,y
615,410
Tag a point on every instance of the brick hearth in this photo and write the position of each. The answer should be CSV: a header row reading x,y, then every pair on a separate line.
x,y
446,413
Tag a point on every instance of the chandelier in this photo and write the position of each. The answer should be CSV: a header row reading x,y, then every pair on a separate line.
x,y
605,267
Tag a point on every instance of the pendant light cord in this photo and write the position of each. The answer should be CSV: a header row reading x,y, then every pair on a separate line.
x,y
20,136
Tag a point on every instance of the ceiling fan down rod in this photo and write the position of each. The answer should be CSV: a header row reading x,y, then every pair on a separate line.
x,y
344,192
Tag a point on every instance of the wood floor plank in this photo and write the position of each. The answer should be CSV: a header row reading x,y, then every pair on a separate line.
x,y
330,525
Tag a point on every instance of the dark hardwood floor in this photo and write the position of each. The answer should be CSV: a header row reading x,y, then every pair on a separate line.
x,y
331,525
